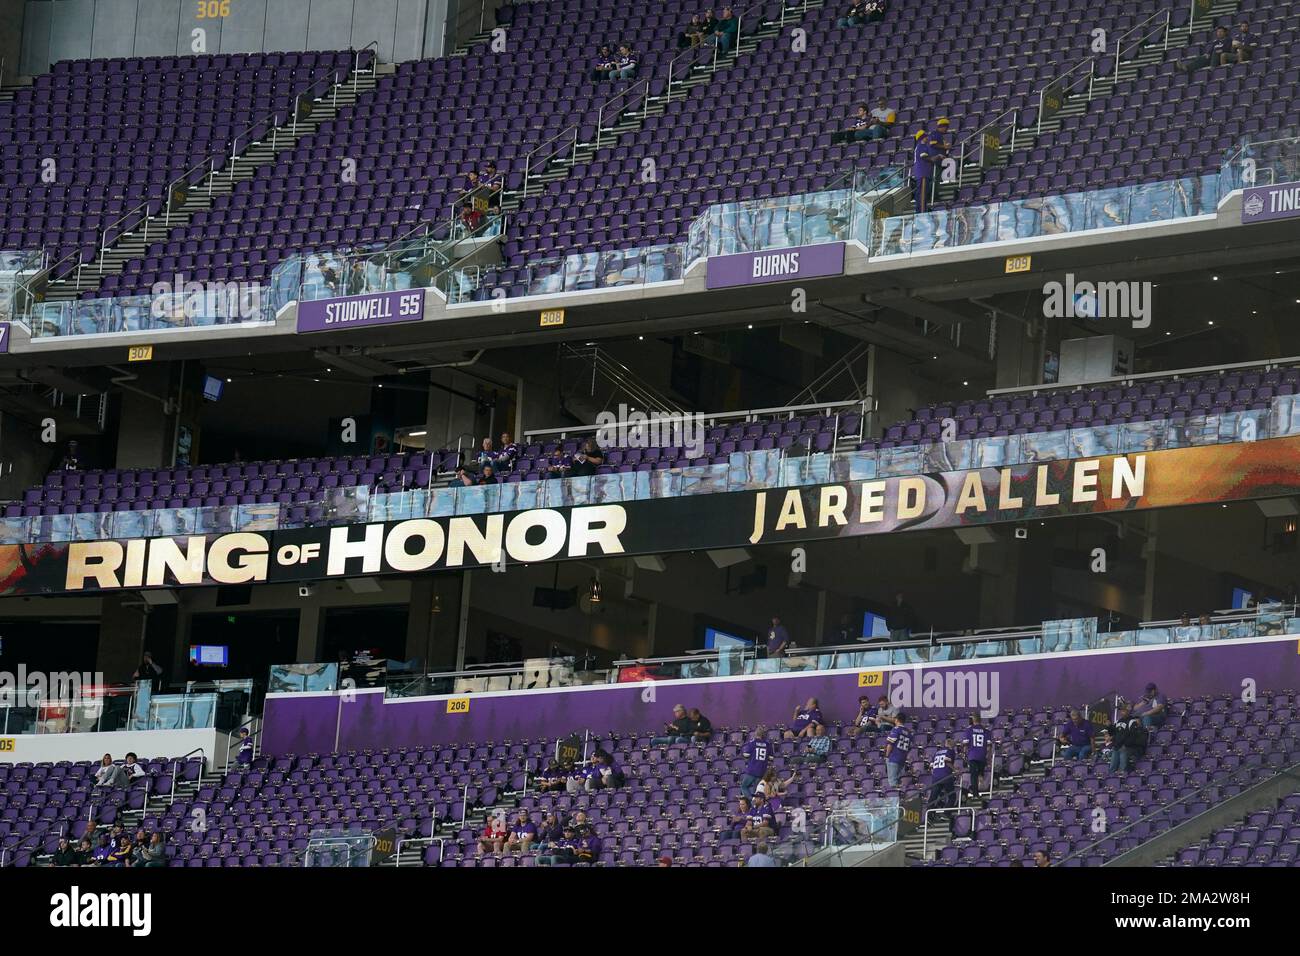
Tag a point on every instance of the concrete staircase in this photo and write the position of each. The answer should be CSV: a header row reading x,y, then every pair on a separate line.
x,y
183,204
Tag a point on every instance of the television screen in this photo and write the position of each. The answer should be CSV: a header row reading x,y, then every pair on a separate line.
x,y
714,638
873,625
209,655
212,387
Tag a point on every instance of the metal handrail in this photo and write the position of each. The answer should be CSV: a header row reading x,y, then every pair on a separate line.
x,y
177,762
749,414
230,740
209,164
1119,43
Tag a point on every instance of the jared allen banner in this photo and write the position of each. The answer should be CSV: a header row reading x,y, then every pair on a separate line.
x,y
1218,473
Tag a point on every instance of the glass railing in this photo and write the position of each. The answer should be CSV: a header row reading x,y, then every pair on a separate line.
x,y
869,653
743,471
1262,160
1047,216
233,304
17,266
221,704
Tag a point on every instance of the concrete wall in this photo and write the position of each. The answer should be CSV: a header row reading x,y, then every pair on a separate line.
x,y
147,744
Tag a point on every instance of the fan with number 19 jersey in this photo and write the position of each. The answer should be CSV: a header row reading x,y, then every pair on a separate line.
x,y
976,738
759,754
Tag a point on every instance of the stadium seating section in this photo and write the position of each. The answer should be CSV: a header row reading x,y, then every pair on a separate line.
x,y
678,798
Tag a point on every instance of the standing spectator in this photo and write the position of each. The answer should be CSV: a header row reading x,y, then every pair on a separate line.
x,y
703,731
854,15
679,730
724,31
806,720
923,157
522,834
760,857
356,278
150,671
70,461
941,141
777,638
818,748
244,756
900,619
943,783
760,824
1152,709
897,747
864,719
758,755
1075,737
1243,45
1127,740
976,741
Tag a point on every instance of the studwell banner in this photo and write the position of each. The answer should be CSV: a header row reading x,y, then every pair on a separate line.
x,y
356,311
1231,472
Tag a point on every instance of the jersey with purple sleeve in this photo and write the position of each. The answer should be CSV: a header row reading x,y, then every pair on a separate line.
x,y
901,738
805,717
760,817
868,716
758,754
976,738
520,830
941,765
1079,735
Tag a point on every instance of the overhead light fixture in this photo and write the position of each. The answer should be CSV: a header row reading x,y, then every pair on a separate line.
x,y
419,434
437,604
595,590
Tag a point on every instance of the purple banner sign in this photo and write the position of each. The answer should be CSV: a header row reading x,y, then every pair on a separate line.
x,y
1262,203
361,311
307,723
775,265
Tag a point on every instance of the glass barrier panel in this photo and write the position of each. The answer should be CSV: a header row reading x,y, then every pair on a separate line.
x,y
302,678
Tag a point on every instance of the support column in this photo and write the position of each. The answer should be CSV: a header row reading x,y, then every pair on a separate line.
x,y
311,631
462,632
122,623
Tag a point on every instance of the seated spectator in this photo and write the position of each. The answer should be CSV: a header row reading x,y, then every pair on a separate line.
x,y
580,822
664,860
1075,737
488,476
588,458
876,10
244,756
85,853
563,850
864,719
818,747
65,854
854,15
760,857
1041,858
1152,709
694,33
109,774
508,453
703,731
679,730
583,776
604,66
588,848
463,477
611,775
522,834
898,746
493,837
1127,739
1220,48
556,465
740,819
773,788
120,854
758,756
487,454
885,713
1243,45
883,118
152,853
132,769
760,823
857,128
625,65
549,833
71,462
724,31
806,720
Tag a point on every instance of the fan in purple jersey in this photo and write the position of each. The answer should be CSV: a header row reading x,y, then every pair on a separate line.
x,y
898,745
522,834
943,781
976,740
1075,737
588,848
864,719
806,720
760,823
563,850
757,754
